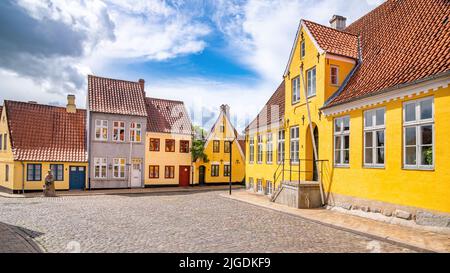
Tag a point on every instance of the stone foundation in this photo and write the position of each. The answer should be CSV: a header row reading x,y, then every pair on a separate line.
x,y
303,196
419,216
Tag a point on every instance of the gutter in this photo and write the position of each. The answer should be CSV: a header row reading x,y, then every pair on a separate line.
x,y
23,177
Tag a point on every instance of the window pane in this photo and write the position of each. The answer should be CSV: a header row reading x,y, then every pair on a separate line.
x,y
368,119
346,156
369,139
368,156
380,138
426,109
380,117
337,157
380,156
410,112
346,142
410,156
346,124
337,125
410,136
337,143
427,155
427,134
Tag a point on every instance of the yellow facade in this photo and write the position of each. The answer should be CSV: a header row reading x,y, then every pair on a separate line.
x,y
162,158
391,184
16,179
222,132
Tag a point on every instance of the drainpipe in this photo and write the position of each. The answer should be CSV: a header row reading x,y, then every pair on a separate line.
x,y
23,177
130,164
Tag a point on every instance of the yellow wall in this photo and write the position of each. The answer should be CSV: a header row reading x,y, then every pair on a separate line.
x,y
6,156
163,158
238,161
426,189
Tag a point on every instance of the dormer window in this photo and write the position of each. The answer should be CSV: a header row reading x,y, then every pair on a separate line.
x,y
302,49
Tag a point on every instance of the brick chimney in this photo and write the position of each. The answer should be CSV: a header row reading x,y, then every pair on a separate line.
x,y
142,84
70,107
338,22
226,110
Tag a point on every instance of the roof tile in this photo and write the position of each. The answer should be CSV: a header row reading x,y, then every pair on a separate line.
x,y
167,116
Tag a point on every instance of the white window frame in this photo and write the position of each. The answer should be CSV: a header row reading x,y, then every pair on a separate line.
x,y
281,148
121,167
295,90
418,123
294,142
118,128
342,134
260,149
337,75
311,82
100,162
259,187
251,184
251,146
269,148
100,125
302,49
135,130
269,187
374,129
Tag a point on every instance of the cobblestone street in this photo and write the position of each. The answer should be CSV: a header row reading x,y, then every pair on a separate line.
x,y
175,222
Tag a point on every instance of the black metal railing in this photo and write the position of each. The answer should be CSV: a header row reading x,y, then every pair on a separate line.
x,y
289,167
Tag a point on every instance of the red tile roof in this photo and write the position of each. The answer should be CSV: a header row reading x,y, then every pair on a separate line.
x,y
276,101
115,96
46,133
167,116
334,41
401,42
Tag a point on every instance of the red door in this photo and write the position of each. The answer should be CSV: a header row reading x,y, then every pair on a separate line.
x,y
185,174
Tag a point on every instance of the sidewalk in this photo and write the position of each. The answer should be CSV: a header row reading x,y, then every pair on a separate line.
x,y
410,237
155,190
13,240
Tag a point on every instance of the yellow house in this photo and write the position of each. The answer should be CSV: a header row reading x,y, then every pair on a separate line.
x,y
378,95
168,157
225,153
37,138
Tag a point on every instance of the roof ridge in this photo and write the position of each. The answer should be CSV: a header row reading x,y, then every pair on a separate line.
x,y
112,79
38,104
342,31
153,98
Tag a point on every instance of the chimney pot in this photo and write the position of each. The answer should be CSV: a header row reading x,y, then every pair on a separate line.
x,y
71,107
338,22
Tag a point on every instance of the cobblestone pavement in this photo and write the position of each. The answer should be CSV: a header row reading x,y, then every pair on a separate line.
x,y
15,240
193,222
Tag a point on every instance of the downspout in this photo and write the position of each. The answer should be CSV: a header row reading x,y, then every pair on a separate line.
x,y
322,198
130,165
23,177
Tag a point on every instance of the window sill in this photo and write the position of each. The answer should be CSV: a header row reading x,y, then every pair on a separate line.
x,y
311,96
428,169
342,166
295,102
380,167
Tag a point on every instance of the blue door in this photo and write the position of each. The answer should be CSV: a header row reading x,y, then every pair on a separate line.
x,y
77,177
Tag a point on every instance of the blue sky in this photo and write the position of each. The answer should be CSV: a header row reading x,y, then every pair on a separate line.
x,y
204,52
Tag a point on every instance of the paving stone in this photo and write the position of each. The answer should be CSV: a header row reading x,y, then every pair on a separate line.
x,y
402,214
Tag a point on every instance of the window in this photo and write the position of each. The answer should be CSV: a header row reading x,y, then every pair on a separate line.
x,y
216,146
296,90
119,131
259,186
184,146
374,137
100,167
170,145
214,170
169,172
153,171
57,171
5,141
6,173
250,183
302,49
294,144
342,141
135,132
418,131
1,142
222,128
269,148
252,149
281,147
311,82
334,75
226,170
119,167
269,188
260,149
34,172
154,144
227,146
101,130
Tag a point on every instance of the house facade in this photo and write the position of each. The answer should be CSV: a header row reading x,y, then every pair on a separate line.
x,y
225,152
36,138
377,93
117,121
168,159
